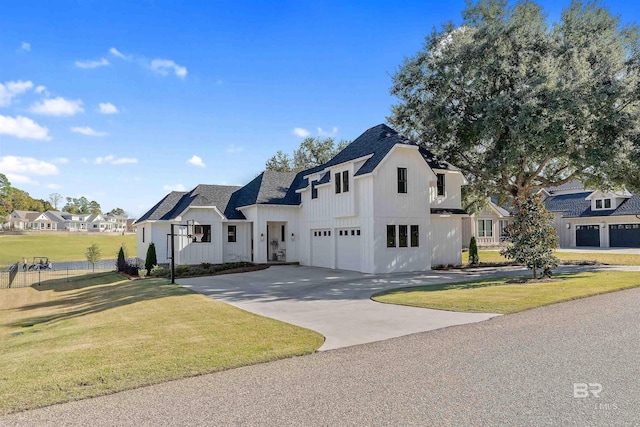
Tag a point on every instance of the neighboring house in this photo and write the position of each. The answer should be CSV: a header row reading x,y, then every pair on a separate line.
x,y
383,204
21,220
488,225
588,218
118,223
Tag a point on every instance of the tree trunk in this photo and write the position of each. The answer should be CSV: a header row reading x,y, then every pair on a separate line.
x,y
535,272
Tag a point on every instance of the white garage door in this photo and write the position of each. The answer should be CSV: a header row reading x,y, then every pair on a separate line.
x,y
321,252
348,255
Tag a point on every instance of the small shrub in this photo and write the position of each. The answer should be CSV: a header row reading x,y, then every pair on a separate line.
x,y
158,271
121,263
152,259
181,269
474,258
206,265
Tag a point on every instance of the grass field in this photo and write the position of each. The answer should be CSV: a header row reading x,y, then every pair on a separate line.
x,y
496,296
63,246
65,341
602,258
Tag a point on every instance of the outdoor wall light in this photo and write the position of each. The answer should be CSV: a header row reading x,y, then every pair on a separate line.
x,y
293,236
568,226
261,236
603,225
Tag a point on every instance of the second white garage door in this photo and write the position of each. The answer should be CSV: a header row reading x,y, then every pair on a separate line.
x,y
321,252
348,256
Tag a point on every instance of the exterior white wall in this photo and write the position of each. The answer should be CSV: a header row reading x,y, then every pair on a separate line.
x,y
446,240
452,198
260,215
240,250
393,208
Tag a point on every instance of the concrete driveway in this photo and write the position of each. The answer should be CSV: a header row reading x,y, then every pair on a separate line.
x,y
336,303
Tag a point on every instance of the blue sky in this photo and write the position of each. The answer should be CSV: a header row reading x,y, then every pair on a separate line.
x,y
123,101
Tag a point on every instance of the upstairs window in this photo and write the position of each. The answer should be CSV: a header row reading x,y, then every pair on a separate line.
x,y
402,180
440,184
598,204
345,181
338,183
603,203
314,190
607,203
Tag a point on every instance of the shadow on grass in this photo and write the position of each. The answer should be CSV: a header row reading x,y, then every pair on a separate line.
x,y
94,294
461,286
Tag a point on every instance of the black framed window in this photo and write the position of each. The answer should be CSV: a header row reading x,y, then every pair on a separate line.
x,y
282,233
314,190
415,236
402,180
345,181
204,230
231,233
440,184
403,236
598,204
607,203
142,234
391,236
338,182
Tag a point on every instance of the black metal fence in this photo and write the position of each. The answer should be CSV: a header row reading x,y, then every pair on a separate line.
x,y
15,276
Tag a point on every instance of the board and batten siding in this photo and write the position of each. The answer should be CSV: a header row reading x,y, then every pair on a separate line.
x,y
446,240
393,208
240,250
452,198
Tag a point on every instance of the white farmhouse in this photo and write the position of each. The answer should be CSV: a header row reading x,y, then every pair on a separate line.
x,y
383,204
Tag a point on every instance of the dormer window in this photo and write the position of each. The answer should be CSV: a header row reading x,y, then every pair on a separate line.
x,y
314,190
603,203
342,182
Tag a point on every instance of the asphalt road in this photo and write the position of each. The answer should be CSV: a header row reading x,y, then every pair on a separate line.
x,y
517,369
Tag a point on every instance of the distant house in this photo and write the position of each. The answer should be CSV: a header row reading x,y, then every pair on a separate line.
x,y
487,226
592,218
582,218
65,221
383,204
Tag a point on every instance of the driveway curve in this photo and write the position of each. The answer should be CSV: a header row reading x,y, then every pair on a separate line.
x,y
335,303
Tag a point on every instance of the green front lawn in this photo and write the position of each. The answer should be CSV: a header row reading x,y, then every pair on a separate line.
x,y
102,334
493,256
63,246
497,296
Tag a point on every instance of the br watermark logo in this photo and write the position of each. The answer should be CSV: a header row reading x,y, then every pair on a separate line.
x,y
583,390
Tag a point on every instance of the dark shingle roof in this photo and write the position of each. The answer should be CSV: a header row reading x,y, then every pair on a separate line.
x,y
161,210
576,205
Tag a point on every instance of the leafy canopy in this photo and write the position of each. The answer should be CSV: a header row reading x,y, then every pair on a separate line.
x,y
532,235
313,151
520,105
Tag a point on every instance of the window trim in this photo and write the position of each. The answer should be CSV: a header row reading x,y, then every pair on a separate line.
x,y
403,181
414,234
441,185
314,189
338,178
203,227
391,236
403,236
484,227
232,234
345,181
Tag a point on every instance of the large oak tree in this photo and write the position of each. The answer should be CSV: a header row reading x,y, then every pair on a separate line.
x,y
519,104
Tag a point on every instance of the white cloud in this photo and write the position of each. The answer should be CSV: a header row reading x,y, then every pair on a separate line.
x,y
23,127
60,160
102,62
111,159
57,107
10,89
53,186
196,161
164,66
40,89
322,132
175,187
22,169
115,52
108,108
301,132
25,46
88,131
234,149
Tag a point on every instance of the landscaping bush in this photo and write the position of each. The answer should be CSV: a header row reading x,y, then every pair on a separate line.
x,y
474,258
158,271
152,259
121,263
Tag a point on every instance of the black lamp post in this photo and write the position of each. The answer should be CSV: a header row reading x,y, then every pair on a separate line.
x,y
173,234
